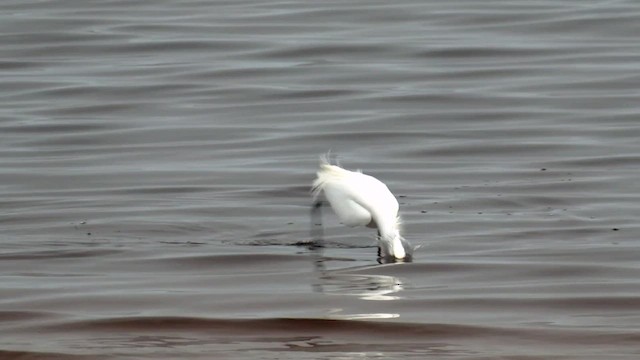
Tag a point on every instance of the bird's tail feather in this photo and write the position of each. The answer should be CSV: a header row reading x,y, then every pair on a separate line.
x,y
326,172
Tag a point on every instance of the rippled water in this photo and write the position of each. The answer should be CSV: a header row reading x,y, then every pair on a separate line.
x,y
156,159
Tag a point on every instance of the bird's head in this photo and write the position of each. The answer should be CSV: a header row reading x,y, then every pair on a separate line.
x,y
395,247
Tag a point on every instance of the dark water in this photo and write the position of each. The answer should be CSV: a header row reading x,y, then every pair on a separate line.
x,y
156,157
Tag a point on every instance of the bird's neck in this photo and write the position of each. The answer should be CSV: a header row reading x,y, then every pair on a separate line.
x,y
393,242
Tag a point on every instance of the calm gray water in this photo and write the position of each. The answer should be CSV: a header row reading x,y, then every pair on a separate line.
x,y
156,158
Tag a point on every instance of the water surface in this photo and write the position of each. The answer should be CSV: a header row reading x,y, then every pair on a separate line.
x,y
156,157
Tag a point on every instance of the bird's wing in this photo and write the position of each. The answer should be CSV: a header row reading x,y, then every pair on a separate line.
x,y
341,197
355,197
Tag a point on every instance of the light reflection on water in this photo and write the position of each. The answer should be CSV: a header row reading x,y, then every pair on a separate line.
x,y
334,314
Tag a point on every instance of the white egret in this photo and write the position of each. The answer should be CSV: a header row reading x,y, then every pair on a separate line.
x,y
362,200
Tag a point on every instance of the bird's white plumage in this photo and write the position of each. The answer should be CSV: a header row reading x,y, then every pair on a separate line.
x,y
362,200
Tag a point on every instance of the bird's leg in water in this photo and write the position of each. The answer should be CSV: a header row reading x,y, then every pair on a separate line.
x,y
317,244
379,248
317,230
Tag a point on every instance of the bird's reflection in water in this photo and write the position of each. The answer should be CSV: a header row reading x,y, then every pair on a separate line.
x,y
363,286
341,282
366,287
